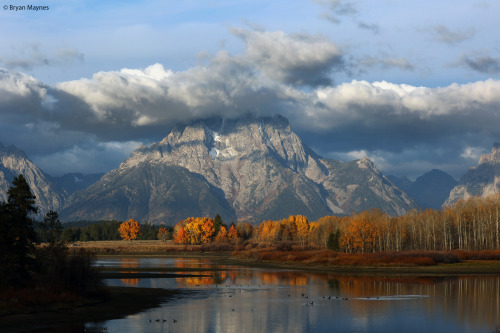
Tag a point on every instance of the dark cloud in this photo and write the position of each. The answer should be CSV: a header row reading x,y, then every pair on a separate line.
x,y
292,58
367,26
483,63
447,36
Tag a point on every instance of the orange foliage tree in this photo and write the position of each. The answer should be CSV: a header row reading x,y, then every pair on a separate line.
x,y
233,233
208,231
199,230
181,236
221,235
129,230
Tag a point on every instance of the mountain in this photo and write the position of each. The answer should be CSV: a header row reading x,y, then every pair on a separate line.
x,y
72,182
13,161
429,190
401,182
482,180
248,169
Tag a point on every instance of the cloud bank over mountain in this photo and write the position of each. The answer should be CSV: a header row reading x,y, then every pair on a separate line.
x,y
411,92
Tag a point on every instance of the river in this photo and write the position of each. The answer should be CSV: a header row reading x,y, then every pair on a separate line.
x,y
241,299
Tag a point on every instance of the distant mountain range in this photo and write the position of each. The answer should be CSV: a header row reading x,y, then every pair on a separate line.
x,y
247,169
13,162
429,190
51,192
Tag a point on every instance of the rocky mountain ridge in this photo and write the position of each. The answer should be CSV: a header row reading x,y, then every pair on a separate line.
x,y
257,167
13,161
482,180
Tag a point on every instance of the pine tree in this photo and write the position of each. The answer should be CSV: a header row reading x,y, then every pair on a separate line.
x,y
52,229
17,235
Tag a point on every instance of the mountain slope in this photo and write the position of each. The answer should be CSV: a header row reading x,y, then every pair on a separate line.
x,y
263,171
72,182
13,162
429,190
482,180
148,192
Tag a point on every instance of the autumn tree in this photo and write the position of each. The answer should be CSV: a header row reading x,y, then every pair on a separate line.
x,y
208,231
232,234
303,228
269,231
181,236
245,230
221,235
362,233
163,234
288,229
129,230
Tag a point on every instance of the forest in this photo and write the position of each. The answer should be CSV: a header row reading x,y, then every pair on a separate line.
x,y
469,225
84,231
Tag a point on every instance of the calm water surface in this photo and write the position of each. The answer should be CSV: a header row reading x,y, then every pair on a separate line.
x,y
241,299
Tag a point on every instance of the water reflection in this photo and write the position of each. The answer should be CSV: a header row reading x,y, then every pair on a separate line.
x,y
262,300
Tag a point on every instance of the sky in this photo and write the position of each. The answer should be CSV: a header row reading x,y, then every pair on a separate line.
x,y
413,85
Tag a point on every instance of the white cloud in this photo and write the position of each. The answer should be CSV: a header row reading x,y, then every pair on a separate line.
x,y
472,153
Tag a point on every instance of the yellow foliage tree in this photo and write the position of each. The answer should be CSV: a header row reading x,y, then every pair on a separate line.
x,y
361,234
269,231
129,230
303,227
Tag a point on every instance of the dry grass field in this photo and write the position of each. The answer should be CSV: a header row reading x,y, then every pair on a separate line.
x,y
150,247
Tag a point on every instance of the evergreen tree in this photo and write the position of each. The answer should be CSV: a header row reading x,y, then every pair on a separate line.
x,y
333,240
52,229
217,223
17,235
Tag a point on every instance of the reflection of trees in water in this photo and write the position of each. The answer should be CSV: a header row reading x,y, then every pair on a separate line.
x,y
196,263
130,282
284,278
474,300
129,263
210,278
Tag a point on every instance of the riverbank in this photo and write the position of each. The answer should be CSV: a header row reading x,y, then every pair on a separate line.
x,y
403,263
120,302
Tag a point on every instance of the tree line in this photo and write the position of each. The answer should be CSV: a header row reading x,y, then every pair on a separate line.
x,y
84,231
470,225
